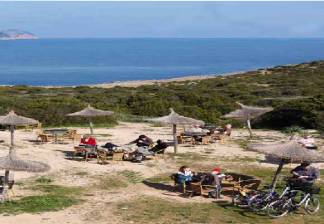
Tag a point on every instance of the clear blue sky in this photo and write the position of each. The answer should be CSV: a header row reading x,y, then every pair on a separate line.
x,y
165,19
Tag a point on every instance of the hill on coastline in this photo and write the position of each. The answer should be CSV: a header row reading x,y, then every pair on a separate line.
x,y
295,91
14,34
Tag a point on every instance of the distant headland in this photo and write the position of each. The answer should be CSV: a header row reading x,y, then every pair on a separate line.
x,y
14,34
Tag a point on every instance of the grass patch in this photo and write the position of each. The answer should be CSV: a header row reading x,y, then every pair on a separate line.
x,y
156,210
160,178
44,180
81,173
243,143
189,158
131,176
50,198
111,183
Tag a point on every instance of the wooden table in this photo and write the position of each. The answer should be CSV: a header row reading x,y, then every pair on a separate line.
x,y
55,132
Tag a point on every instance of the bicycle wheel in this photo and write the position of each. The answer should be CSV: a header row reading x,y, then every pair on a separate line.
x,y
258,202
278,208
240,201
312,205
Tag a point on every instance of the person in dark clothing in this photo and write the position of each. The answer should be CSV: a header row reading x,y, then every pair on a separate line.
x,y
304,175
142,141
159,147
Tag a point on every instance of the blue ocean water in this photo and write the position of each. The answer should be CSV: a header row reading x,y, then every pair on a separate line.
x,y
90,61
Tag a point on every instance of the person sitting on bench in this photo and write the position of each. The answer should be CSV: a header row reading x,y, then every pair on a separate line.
x,y
304,175
88,140
142,141
160,147
184,175
307,141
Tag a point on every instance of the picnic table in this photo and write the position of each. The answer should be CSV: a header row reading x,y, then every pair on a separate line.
x,y
55,132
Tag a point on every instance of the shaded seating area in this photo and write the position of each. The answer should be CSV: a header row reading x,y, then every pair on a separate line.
x,y
207,135
202,184
57,135
113,152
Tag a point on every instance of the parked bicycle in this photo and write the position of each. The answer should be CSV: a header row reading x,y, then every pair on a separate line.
x,y
293,199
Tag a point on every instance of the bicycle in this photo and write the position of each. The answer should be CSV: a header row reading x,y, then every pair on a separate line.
x,y
261,201
290,202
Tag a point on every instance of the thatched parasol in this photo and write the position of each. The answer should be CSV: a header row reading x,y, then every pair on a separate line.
x,y
11,162
175,119
91,112
12,120
290,151
247,113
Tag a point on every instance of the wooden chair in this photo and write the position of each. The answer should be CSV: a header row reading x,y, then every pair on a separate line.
x,y
43,138
102,156
182,139
70,134
205,140
199,189
82,150
76,138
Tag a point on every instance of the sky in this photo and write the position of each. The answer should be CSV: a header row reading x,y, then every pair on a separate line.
x,y
165,19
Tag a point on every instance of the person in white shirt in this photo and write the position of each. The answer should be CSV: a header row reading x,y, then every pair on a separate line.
x,y
307,141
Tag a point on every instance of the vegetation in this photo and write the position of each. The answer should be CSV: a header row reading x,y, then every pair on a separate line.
x,y
50,198
157,210
199,212
111,183
296,92
131,176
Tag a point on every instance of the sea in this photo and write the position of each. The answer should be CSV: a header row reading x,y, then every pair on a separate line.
x,y
69,62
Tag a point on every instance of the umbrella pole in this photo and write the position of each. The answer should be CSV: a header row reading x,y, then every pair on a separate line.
x,y
5,184
174,130
91,127
12,130
275,178
249,127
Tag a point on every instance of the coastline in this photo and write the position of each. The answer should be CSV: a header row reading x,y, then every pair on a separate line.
x,y
138,83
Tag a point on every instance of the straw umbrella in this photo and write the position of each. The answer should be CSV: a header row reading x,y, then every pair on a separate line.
x,y
175,119
11,161
290,151
247,113
12,120
90,112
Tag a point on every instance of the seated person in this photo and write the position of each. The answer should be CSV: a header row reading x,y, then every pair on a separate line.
x,y
307,141
196,129
184,175
304,175
228,129
159,147
142,140
110,146
88,140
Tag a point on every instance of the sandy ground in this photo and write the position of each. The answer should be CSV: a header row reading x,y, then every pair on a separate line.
x,y
99,203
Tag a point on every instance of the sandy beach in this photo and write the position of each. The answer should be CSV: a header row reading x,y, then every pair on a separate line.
x,y
99,205
137,83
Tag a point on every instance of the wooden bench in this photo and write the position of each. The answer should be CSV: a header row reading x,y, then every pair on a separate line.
x,y
118,156
236,184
